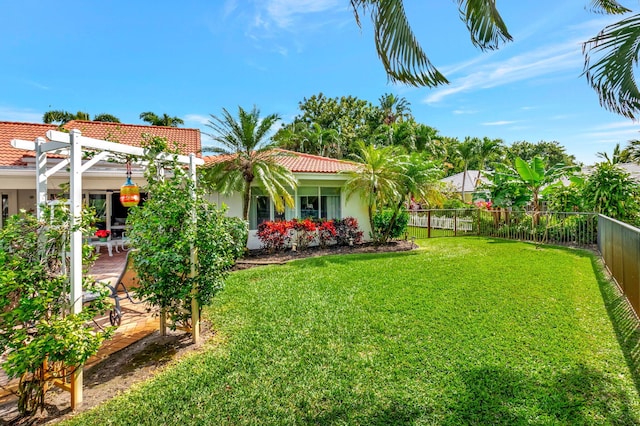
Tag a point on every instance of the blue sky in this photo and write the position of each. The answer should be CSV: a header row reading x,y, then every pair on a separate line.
x,y
192,58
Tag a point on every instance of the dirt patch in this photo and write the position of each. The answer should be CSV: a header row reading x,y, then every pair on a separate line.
x,y
148,356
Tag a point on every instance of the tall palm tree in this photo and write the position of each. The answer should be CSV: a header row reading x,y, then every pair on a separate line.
x,y
486,149
467,151
247,158
165,120
393,108
377,179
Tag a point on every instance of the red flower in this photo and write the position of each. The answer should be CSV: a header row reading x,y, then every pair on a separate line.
x,y
102,233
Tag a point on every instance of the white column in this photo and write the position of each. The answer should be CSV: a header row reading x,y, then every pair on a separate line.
x,y
195,308
76,250
41,177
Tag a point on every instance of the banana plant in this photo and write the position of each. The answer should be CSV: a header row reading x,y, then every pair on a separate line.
x,y
534,177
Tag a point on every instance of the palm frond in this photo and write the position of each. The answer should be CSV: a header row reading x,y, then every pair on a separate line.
x,y
611,7
401,54
486,27
610,59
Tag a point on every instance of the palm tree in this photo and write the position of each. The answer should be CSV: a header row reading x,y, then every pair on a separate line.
x,y
62,117
616,157
107,118
247,158
401,54
486,149
467,151
166,120
377,179
393,108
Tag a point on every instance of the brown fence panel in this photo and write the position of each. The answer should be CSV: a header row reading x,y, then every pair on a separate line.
x,y
619,244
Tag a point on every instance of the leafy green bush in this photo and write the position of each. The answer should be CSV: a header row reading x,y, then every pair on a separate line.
x,y
38,331
611,191
385,227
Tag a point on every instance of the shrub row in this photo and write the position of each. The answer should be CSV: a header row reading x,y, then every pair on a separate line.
x,y
279,235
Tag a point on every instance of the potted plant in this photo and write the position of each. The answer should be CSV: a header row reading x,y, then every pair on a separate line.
x,y
102,234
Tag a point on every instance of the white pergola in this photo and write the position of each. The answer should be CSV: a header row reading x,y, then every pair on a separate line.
x,y
71,145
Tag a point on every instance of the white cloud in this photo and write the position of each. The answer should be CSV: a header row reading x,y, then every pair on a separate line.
x,y
19,114
197,118
498,123
284,12
619,125
541,62
464,111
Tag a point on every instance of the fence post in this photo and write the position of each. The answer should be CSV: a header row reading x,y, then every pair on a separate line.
x,y
428,223
455,223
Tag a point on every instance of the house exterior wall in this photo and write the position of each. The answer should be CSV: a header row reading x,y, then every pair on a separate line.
x,y
349,207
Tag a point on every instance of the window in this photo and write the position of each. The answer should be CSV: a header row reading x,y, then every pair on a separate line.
x,y
262,209
319,202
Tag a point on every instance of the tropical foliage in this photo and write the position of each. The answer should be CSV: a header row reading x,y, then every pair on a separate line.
x,y
611,191
164,120
40,336
611,56
389,179
60,117
246,157
175,222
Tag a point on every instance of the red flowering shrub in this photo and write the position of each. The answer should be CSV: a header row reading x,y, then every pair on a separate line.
x,y
347,229
305,232
326,232
483,205
274,235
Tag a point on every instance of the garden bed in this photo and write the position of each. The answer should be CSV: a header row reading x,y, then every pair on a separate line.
x,y
263,257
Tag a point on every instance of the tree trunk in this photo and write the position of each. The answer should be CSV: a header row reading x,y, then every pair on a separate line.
x,y
464,179
246,201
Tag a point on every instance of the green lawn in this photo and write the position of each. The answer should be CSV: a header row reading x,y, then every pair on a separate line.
x,y
463,331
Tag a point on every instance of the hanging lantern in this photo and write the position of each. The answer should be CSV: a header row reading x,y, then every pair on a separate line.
x,y
129,192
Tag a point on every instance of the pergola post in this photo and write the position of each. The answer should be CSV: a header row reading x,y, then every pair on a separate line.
x,y
75,202
195,306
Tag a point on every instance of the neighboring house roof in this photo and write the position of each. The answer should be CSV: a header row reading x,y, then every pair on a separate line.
x,y
632,168
299,162
188,140
10,156
471,182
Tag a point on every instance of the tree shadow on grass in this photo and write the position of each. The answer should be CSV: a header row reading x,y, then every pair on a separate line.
x,y
500,396
624,320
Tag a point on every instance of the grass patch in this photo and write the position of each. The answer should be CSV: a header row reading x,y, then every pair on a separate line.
x,y
463,331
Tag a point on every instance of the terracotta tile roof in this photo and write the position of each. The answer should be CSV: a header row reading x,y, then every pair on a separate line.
x,y
188,140
299,162
10,156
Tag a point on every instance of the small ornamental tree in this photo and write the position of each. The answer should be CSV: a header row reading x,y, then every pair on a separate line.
x,y
163,233
42,340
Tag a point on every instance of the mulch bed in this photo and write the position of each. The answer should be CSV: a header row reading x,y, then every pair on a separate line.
x,y
263,257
